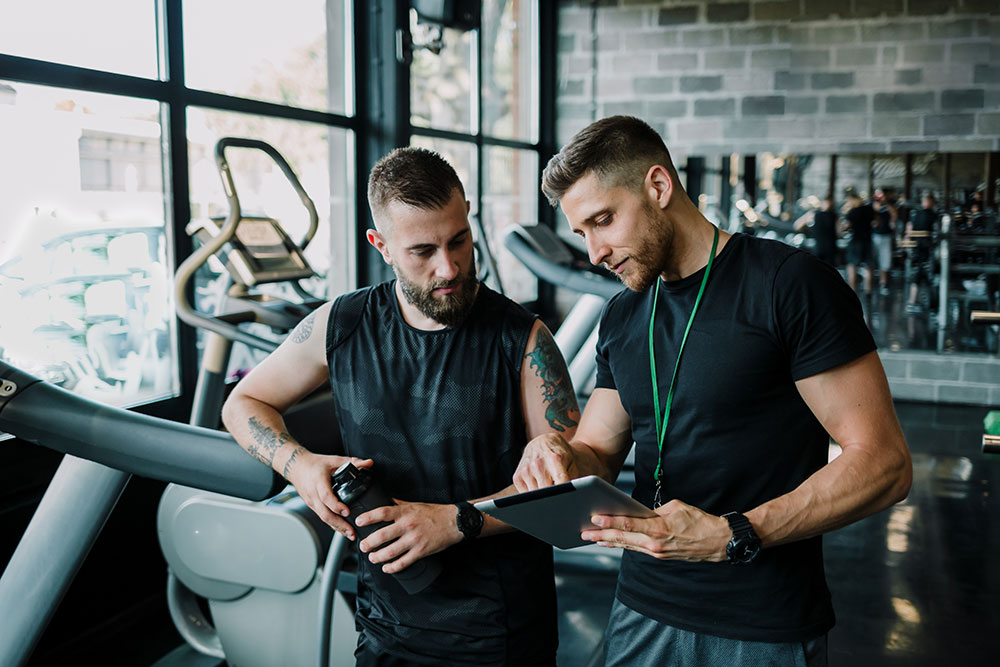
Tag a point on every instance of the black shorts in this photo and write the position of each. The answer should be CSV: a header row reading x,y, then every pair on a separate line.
x,y
859,251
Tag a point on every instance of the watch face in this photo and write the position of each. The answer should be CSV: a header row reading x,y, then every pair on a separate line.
x,y
470,521
743,550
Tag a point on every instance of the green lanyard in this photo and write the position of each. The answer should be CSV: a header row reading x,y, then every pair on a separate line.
x,y
661,422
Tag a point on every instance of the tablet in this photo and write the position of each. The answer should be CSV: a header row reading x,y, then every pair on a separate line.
x,y
557,514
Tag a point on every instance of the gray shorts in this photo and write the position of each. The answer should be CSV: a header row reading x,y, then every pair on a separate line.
x,y
882,243
638,641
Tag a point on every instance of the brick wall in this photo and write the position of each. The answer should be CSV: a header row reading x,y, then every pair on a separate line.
x,y
798,76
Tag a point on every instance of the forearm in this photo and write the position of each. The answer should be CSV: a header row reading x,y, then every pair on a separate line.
x,y
858,483
592,460
260,430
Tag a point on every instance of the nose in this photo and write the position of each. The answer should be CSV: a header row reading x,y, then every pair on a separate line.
x,y
447,266
597,250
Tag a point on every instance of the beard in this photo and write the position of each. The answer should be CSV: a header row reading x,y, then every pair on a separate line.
x,y
651,252
447,309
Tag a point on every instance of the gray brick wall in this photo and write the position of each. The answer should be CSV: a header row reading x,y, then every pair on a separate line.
x,y
742,76
926,376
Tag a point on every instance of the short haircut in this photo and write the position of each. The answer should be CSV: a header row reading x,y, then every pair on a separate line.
x,y
413,176
619,150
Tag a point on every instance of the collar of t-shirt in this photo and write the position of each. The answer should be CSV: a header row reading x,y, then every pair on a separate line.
x,y
694,280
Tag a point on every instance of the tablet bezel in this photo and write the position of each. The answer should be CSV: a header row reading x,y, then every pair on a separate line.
x,y
557,514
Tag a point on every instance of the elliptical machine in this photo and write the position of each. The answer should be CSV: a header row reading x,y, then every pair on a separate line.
x,y
245,561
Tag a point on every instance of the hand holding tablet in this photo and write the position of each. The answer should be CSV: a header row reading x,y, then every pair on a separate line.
x,y
558,514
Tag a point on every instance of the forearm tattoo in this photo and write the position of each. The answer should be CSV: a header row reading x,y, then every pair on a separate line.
x,y
266,442
557,390
288,464
301,333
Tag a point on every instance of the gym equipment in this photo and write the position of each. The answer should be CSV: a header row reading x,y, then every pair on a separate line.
x,y
255,251
253,560
104,446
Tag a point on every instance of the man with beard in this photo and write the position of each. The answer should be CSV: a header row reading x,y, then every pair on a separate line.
x,y
730,362
438,383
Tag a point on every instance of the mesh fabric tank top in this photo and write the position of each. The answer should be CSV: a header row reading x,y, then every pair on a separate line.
x,y
439,412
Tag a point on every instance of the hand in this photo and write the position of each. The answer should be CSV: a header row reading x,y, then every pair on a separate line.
x,y
681,532
547,460
415,530
311,475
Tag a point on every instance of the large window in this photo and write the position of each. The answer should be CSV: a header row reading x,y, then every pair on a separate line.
x,y
474,98
112,35
83,243
91,210
275,52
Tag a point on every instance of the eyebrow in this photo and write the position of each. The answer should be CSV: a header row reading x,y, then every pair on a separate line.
x,y
431,246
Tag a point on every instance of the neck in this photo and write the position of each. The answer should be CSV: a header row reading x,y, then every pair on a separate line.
x,y
690,246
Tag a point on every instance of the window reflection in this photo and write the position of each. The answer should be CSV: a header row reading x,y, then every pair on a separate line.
x,y
510,66
111,35
83,259
510,185
295,53
442,84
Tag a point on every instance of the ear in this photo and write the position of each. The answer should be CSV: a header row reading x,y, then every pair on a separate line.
x,y
659,185
378,242
468,207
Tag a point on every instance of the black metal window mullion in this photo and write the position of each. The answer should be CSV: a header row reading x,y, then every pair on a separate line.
x,y
180,183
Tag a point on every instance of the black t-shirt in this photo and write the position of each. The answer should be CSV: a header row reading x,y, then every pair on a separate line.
x,y
884,217
440,414
923,220
824,230
861,218
739,433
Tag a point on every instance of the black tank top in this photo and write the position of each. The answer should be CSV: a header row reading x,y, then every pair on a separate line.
x,y
440,414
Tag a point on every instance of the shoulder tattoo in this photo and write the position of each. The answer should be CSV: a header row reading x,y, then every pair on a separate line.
x,y
561,409
301,333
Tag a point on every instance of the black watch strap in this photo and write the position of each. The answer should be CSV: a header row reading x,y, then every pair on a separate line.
x,y
469,520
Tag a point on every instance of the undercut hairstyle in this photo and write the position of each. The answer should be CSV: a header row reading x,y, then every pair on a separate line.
x,y
619,150
413,176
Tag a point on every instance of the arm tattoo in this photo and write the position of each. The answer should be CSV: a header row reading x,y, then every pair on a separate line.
x,y
301,333
557,392
266,442
288,463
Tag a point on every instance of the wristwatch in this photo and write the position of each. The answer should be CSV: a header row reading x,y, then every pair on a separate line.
x,y
470,520
745,544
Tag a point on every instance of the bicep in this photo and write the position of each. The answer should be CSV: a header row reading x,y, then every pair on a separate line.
x,y
853,403
548,398
296,368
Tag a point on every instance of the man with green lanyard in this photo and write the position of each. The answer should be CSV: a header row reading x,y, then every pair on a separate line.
x,y
730,362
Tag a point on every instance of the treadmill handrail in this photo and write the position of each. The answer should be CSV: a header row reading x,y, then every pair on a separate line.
x,y
150,447
558,274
